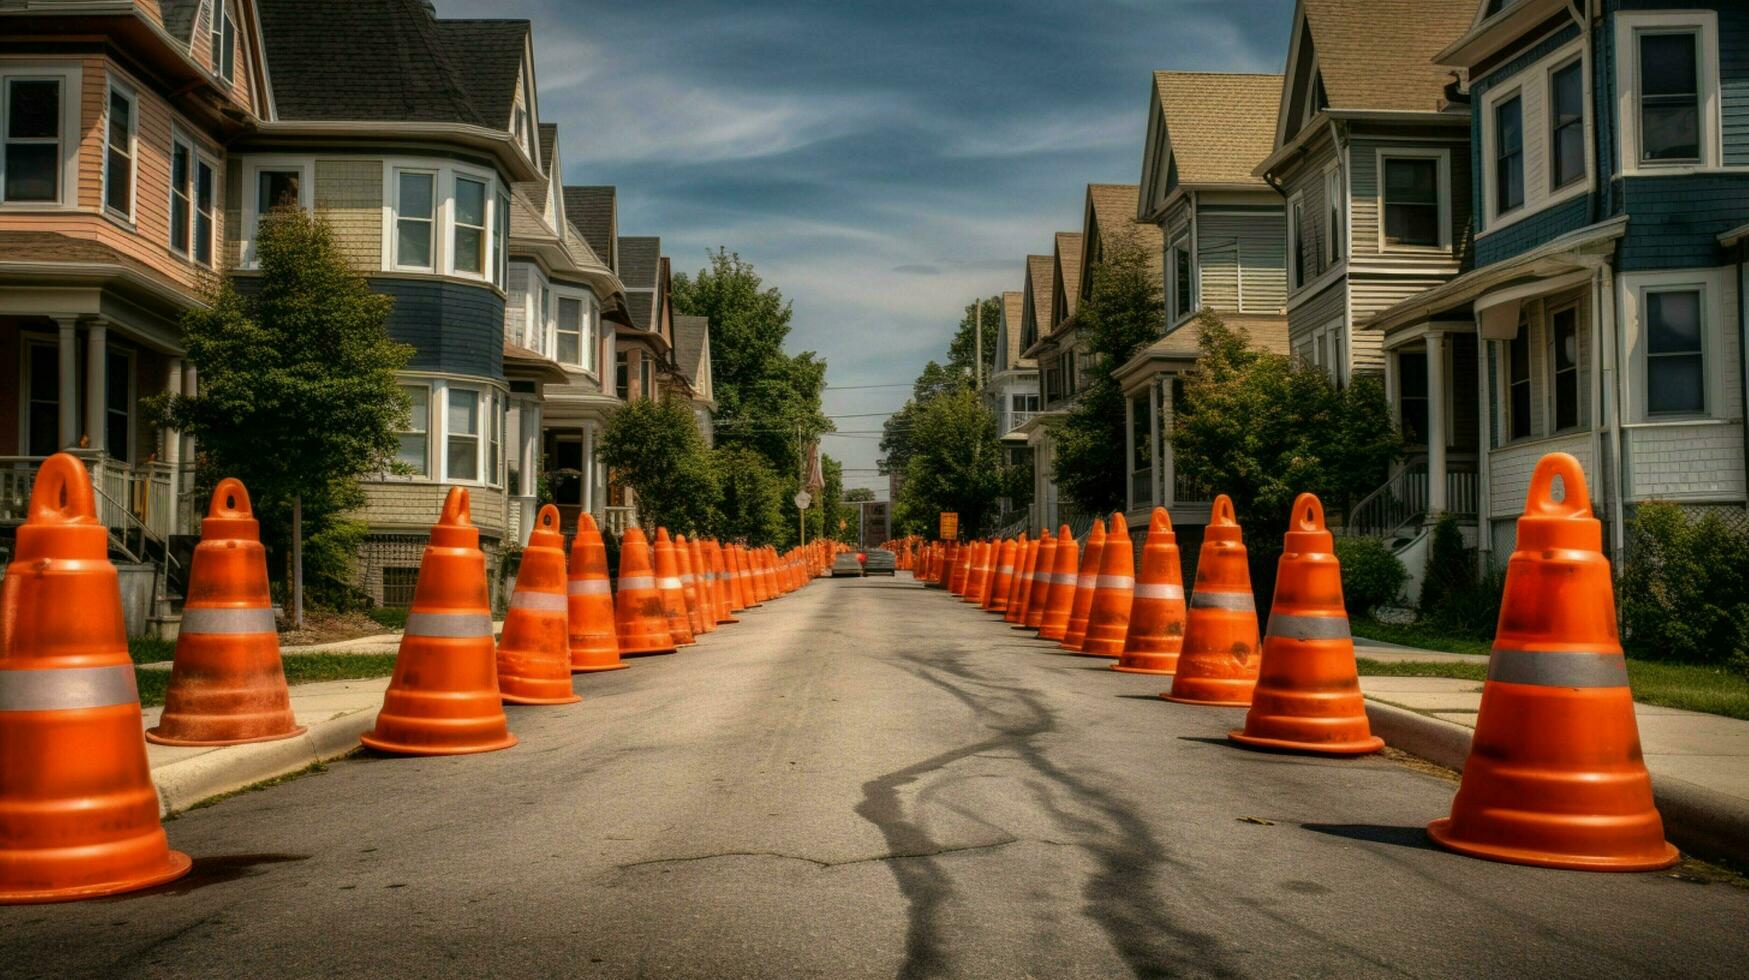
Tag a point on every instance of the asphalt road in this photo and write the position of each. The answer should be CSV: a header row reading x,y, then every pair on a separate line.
x,y
867,779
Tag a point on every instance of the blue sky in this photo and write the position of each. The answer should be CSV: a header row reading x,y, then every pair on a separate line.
x,y
881,163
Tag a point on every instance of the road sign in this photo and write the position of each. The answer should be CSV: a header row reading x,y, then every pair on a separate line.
x,y
803,499
950,525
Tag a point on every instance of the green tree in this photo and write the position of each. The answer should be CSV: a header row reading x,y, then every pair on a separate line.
x,y
962,350
955,463
859,495
750,506
298,396
1122,314
896,431
655,448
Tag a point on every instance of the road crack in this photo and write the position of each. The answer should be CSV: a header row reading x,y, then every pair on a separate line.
x,y
902,856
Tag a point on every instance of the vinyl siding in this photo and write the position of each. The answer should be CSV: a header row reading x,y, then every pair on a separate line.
x,y
398,505
1677,462
1243,262
1330,304
1676,221
349,195
1366,237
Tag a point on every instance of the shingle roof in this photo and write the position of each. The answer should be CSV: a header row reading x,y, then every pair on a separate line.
x,y
639,261
638,303
591,210
1378,54
179,17
389,60
49,246
526,219
691,334
579,247
1069,258
1220,126
1038,271
1012,305
1114,209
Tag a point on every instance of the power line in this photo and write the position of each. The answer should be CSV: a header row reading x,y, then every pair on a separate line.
x,y
906,384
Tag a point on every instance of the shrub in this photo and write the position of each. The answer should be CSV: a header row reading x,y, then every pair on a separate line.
x,y
1685,588
1371,575
1471,609
1451,567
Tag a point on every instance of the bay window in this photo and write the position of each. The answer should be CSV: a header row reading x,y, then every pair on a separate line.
x,y
501,244
1670,104
415,217
1675,375
33,114
205,223
119,153
495,409
1567,125
470,226
414,453
462,433
1333,211
1296,243
568,348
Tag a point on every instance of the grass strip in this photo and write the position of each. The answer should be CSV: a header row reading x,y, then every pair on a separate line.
x,y
306,668
1710,690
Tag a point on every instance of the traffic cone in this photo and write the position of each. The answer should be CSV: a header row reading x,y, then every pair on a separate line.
x,y
958,568
1218,665
700,584
1555,777
998,598
227,685
1044,569
1157,612
1019,589
1085,581
638,611
744,583
724,585
78,811
1061,598
593,637
979,574
443,698
689,586
1108,620
1308,697
534,654
669,588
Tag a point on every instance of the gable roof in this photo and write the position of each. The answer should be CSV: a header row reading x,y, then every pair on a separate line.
x,y
1112,213
638,260
1219,125
489,55
1039,269
1068,267
1012,305
692,352
179,17
591,209
1378,54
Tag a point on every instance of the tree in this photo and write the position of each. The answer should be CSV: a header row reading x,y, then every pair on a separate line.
x,y
750,508
955,462
859,495
1123,313
962,350
298,396
896,438
655,448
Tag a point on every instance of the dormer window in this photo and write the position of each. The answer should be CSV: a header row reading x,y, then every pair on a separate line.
x,y
224,42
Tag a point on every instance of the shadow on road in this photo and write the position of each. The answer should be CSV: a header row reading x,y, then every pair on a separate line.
x,y
1415,837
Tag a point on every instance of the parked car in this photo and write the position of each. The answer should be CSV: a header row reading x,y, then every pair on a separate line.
x,y
846,565
880,561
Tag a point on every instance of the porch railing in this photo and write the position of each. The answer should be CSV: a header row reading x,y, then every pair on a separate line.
x,y
1188,491
1142,488
619,519
134,501
1404,500
1014,420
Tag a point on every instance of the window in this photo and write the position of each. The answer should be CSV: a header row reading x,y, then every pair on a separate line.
x,y
622,376
646,381
568,348
591,320
415,440
415,217
1518,385
224,51
1183,292
205,224
546,320
1141,441
181,195
463,449
495,407
32,162
43,393
501,243
470,225
1412,395
1564,357
1509,155
1333,200
118,401
1412,210
1669,97
1567,122
278,189
1675,382
118,161
1296,232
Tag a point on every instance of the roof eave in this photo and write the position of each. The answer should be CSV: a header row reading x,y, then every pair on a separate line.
x,y
1317,126
501,145
1490,36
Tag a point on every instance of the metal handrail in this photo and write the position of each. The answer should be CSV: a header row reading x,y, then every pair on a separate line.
x,y
1399,501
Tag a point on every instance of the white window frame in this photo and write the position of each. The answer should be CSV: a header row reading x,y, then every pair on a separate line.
x,y
1535,85
1335,206
197,158
481,405
1297,279
69,77
1555,67
501,243
581,298
219,19
1705,25
1715,292
113,88
1176,288
251,189
214,212
1490,139
392,244
488,226
1443,158
431,400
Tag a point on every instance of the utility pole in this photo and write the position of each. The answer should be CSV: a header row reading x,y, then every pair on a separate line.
x,y
978,343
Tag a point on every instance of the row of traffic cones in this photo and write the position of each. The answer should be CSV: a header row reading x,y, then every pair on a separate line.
x,y
1555,776
78,809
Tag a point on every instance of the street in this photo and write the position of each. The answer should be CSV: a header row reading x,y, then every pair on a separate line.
x,y
867,779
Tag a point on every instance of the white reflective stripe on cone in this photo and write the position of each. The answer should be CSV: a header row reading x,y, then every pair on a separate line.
x,y
637,582
259,620
1293,627
449,625
1158,591
1562,668
1236,601
538,601
68,688
1114,582
589,586
668,583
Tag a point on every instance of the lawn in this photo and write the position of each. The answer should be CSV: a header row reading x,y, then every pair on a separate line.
x,y
304,668
1417,635
1696,688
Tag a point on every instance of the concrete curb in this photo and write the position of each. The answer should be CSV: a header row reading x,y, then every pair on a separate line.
x,y
186,782
1702,822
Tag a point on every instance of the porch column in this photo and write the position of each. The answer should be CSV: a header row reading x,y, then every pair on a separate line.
x,y
190,387
1156,464
69,385
173,439
590,468
531,440
1436,437
96,390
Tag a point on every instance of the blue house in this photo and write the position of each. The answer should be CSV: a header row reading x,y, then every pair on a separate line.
x,y
1610,154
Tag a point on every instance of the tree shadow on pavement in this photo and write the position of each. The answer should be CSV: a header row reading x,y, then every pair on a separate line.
x,y
1412,837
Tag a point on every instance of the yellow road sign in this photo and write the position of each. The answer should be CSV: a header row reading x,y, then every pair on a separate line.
x,y
950,525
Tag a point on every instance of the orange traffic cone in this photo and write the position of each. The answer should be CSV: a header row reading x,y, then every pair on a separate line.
x,y
1157,612
672,593
1308,697
698,583
978,572
1555,777
78,811
1044,568
1021,588
534,654
724,585
744,578
1085,581
638,611
443,698
998,598
1061,597
1218,665
593,637
962,568
1108,620
689,585
227,685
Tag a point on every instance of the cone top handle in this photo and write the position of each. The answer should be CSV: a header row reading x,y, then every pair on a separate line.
x,y
549,518
1097,533
1308,513
661,534
680,540
1222,511
230,500
1541,502
62,494
456,510
586,522
1118,525
1160,522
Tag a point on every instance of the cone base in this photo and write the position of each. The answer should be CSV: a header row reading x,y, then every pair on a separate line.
x,y
520,699
1102,656
1022,626
157,739
396,748
1440,831
648,653
724,622
1167,696
177,865
598,669
1364,746
1142,670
